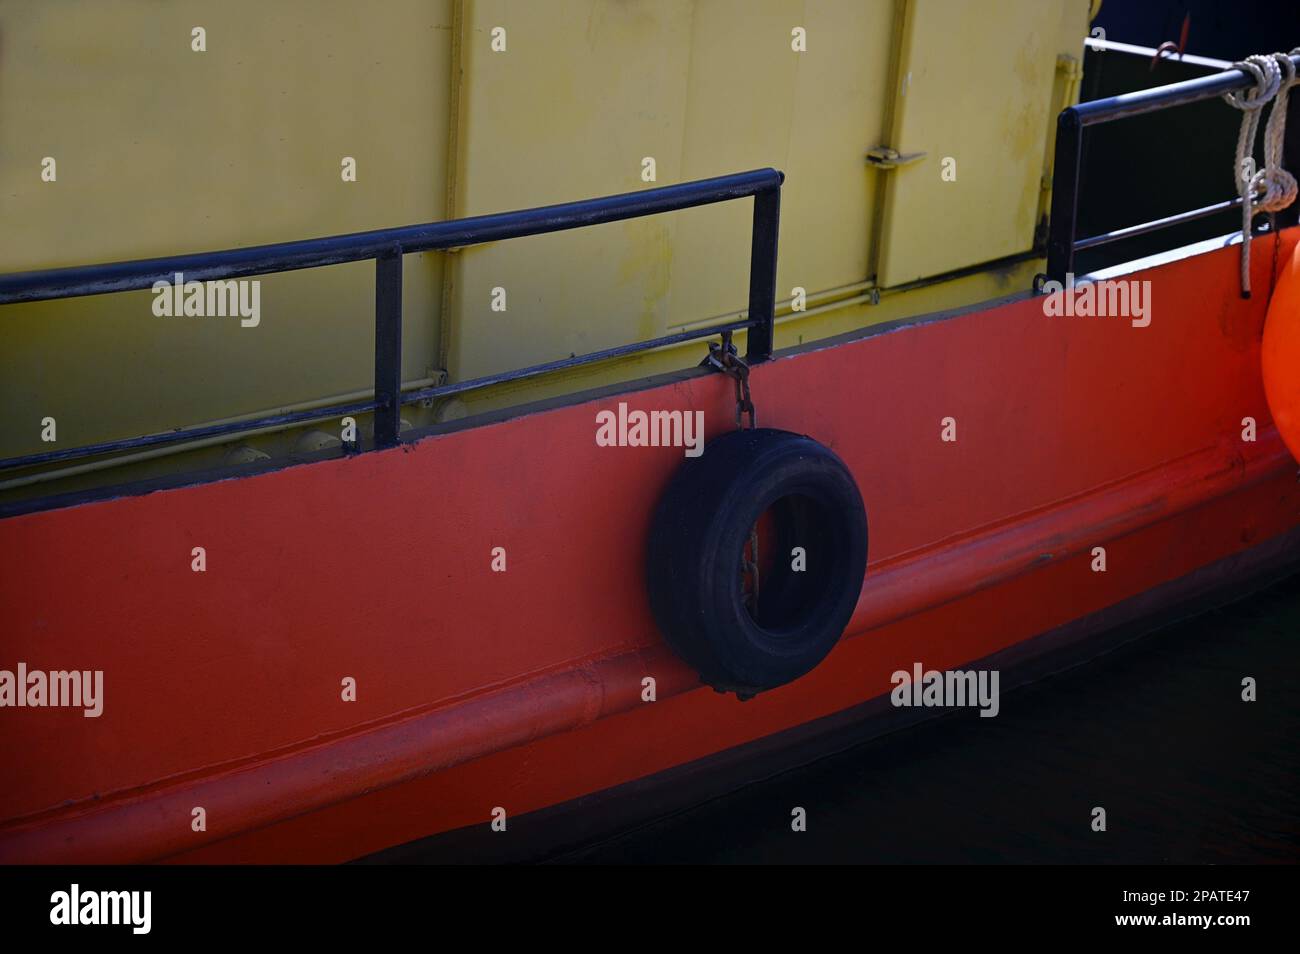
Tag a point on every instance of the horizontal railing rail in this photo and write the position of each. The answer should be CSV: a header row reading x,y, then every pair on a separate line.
x,y
1063,241
386,247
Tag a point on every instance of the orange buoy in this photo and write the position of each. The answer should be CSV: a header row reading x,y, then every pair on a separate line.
x,y
1281,354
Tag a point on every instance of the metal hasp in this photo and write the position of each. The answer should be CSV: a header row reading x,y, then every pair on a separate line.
x,y
1062,242
883,157
387,247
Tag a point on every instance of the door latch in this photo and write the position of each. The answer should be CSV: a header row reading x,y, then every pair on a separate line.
x,y
882,157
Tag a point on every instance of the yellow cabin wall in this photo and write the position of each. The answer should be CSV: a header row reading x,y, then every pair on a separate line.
x,y
703,88
162,150
989,208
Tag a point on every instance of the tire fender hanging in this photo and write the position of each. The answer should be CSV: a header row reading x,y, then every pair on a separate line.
x,y
697,559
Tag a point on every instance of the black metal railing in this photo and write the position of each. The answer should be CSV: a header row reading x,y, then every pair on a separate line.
x,y
386,247
1062,242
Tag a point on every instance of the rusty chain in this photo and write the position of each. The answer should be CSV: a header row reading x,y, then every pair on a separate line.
x,y
724,357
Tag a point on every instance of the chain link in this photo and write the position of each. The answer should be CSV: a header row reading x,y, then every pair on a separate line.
x,y
724,357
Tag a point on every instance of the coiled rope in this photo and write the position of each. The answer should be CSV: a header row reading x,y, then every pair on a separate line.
x,y
1271,188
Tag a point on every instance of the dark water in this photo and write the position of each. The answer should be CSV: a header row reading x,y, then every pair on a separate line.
x,y
1155,732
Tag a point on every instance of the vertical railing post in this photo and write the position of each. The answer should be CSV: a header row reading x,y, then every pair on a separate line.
x,y
762,274
388,347
1063,221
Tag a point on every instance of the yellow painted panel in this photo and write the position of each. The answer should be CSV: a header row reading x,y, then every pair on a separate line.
x,y
754,101
162,150
585,90
582,92
974,85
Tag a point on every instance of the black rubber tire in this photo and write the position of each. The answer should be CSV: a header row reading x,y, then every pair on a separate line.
x,y
695,554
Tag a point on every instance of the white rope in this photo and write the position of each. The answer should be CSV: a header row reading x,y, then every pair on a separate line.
x,y
1271,188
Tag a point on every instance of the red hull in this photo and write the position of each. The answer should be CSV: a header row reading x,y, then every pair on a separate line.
x,y
523,689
